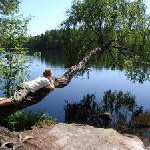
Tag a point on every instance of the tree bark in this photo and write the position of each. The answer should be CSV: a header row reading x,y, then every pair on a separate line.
x,y
64,80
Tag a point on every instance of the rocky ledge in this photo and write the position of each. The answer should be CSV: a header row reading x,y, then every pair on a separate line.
x,y
69,137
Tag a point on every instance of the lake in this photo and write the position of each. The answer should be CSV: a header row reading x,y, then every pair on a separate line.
x,y
96,81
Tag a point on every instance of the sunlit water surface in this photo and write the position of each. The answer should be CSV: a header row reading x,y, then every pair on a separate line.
x,y
96,82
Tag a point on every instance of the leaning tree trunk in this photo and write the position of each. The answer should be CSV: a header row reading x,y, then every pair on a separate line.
x,y
59,82
68,75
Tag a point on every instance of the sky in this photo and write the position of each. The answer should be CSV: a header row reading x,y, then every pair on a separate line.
x,y
45,14
48,14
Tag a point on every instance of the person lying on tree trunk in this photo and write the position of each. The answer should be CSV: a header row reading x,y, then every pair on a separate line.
x,y
30,87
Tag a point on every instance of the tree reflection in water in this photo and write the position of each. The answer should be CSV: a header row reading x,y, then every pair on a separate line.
x,y
117,109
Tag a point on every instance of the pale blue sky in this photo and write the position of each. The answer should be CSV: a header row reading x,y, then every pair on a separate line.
x,y
48,14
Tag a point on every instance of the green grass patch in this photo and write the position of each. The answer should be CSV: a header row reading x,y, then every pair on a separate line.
x,y
25,120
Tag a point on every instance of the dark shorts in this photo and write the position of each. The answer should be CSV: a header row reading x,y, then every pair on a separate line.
x,y
20,94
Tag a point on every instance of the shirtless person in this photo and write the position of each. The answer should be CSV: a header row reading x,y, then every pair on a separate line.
x,y
30,87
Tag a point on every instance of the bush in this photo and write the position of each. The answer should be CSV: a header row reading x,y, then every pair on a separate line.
x,y
25,120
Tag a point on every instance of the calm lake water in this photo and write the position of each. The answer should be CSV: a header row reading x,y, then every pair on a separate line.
x,y
96,82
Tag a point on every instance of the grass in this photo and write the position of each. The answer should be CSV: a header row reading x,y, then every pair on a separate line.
x,y
25,120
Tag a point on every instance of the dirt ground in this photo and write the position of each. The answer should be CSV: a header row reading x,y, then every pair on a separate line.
x,y
35,139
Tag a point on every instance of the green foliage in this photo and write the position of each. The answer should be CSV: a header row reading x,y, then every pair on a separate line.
x,y
114,25
25,120
78,42
8,6
13,32
51,40
13,70
109,19
13,29
137,69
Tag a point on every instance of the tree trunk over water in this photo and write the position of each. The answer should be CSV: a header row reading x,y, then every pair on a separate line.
x,y
59,82
68,75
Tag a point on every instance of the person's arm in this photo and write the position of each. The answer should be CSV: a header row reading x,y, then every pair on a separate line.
x,y
51,86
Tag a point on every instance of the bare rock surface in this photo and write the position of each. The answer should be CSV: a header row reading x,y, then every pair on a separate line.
x,y
78,137
68,137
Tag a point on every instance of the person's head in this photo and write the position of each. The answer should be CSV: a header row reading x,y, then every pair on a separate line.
x,y
47,73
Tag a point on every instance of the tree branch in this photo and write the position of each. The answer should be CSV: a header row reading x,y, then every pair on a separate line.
x,y
68,75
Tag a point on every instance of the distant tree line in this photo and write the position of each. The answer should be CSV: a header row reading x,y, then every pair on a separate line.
x,y
50,40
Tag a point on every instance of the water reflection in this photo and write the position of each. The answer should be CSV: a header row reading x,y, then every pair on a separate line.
x,y
57,58
137,68
117,109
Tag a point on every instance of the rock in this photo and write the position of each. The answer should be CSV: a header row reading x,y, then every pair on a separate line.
x,y
80,137
7,145
69,137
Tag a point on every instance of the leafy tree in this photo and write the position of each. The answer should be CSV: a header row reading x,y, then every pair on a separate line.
x,y
12,26
8,6
12,35
118,27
